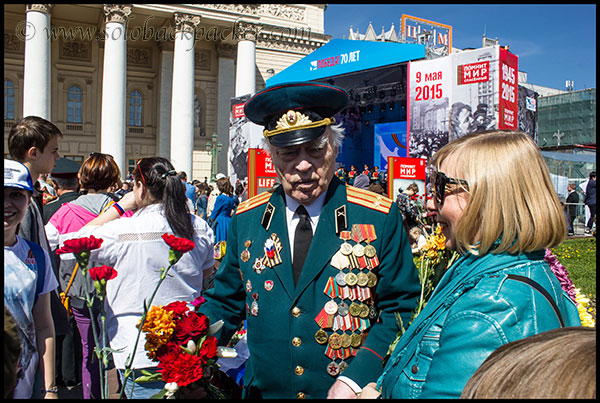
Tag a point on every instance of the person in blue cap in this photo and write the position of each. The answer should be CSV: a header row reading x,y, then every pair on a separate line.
x,y
316,268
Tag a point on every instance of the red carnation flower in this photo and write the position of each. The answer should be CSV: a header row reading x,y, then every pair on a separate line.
x,y
103,272
178,244
79,245
168,352
179,308
190,326
183,369
209,348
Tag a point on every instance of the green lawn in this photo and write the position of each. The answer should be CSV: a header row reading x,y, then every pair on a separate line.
x,y
578,255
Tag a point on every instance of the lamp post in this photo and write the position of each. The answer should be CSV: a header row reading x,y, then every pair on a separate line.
x,y
214,147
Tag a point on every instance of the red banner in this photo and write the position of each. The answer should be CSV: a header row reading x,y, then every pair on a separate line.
x,y
508,112
238,111
403,171
261,172
473,73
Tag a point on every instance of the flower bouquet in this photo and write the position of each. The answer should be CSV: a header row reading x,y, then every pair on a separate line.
x,y
182,343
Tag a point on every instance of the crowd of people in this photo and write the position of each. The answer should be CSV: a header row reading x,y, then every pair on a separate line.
x,y
369,178
319,270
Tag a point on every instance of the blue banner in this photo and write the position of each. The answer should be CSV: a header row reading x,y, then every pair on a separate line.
x,y
343,56
389,141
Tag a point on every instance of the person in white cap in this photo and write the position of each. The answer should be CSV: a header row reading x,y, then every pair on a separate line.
x,y
28,282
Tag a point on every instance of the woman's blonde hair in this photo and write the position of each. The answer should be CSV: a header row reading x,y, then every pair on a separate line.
x,y
511,195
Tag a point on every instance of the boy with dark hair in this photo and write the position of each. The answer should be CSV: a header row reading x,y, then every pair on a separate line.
x,y
33,141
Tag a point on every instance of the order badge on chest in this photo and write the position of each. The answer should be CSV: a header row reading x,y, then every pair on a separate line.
x,y
348,314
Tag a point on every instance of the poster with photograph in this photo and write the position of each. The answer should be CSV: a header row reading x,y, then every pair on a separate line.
x,y
389,141
473,107
243,134
404,171
527,106
429,92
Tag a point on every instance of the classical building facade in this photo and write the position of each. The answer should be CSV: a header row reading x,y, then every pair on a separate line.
x,y
143,80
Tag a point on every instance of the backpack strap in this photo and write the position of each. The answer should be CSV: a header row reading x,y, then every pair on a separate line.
x,y
541,290
40,261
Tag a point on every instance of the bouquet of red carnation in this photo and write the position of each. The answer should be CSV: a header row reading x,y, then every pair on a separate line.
x,y
181,341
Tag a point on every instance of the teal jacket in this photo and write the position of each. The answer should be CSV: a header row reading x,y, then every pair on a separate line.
x,y
474,310
285,359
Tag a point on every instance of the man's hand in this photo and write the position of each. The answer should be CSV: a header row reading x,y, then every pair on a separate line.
x,y
369,392
339,390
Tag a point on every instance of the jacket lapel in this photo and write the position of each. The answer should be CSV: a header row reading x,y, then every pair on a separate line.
x,y
278,226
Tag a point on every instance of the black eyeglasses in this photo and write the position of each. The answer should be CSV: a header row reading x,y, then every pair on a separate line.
x,y
439,180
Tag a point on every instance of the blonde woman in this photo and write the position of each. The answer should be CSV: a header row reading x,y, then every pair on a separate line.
x,y
497,207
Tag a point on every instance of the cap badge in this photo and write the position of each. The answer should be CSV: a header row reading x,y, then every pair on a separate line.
x,y
292,118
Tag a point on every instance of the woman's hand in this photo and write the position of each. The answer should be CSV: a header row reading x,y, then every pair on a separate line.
x,y
128,202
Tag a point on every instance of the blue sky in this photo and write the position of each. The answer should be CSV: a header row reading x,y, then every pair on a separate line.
x,y
554,42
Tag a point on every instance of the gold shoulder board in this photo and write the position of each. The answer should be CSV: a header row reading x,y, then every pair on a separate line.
x,y
368,199
253,202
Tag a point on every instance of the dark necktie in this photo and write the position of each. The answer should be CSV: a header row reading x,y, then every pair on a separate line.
x,y
302,239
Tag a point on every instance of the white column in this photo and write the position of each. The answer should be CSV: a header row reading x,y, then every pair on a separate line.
x,y
226,88
182,101
245,78
36,83
166,89
114,85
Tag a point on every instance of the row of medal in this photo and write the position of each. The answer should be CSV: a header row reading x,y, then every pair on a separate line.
x,y
271,258
355,315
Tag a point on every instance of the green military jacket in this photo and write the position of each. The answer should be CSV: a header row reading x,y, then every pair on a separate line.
x,y
287,358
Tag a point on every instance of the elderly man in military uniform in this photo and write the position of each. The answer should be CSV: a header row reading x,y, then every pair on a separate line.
x,y
318,269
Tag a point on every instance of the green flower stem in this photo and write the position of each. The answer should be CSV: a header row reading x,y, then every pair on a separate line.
x,y
89,302
422,279
128,371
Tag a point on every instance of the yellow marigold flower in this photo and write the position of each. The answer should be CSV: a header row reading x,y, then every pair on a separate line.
x,y
159,325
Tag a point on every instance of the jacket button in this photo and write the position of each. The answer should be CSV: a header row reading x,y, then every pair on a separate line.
x,y
299,370
296,312
300,396
296,341
414,369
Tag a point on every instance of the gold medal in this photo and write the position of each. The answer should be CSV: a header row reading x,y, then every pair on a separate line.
x,y
346,248
358,250
321,336
354,309
343,366
364,311
362,279
335,341
346,340
370,251
350,279
371,279
355,340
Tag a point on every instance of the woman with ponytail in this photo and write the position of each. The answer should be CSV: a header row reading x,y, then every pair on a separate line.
x,y
135,248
